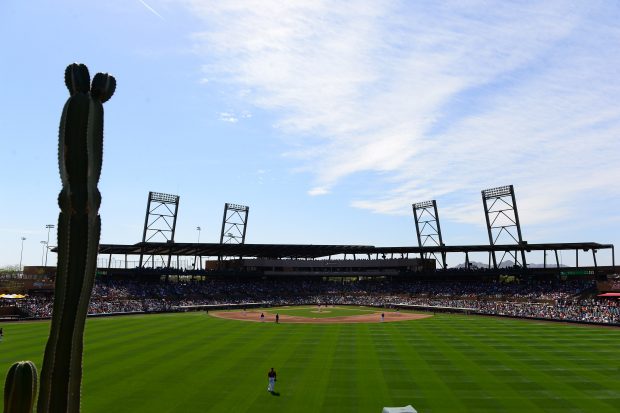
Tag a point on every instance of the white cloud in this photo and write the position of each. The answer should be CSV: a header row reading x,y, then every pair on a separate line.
x,y
438,100
232,117
228,117
318,191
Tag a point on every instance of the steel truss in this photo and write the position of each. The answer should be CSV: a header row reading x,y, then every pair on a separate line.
x,y
234,224
428,229
159,224
502,217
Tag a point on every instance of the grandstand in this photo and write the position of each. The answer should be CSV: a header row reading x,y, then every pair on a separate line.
x,y
331,260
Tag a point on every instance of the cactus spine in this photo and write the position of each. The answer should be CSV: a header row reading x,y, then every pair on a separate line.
x,y
20,388
80,150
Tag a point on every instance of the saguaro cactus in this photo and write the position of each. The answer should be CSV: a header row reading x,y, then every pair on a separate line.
x,y
20,388
80,150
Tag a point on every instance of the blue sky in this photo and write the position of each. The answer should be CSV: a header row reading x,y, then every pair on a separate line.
x,y
327,118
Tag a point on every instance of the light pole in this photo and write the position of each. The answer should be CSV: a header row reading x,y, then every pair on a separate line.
x,y
198,242
44,245
49,227
21,254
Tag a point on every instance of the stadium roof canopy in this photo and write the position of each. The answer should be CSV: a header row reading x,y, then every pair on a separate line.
x,y
318,251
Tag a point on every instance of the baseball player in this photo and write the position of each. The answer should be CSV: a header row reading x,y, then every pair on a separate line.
x,y
271,376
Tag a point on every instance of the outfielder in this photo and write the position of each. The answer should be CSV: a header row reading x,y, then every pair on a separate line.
x,y
272,380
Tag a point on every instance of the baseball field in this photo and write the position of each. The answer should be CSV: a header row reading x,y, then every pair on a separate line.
x,y
196,362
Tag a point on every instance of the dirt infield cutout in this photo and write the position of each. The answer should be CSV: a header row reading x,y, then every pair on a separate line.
x,y
254,316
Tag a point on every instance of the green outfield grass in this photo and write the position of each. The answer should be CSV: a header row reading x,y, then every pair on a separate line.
x,y
196,363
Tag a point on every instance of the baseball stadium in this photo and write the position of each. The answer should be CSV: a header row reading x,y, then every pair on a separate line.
x,y
355,131
196,327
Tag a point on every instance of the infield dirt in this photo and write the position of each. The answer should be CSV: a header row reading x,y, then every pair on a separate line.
x,y
254,316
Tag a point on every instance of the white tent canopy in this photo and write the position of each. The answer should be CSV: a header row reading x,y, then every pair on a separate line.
x,y
12,296
406,409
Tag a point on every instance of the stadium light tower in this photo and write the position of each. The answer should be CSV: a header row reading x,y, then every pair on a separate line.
x,y
500,210
43,249
427,227
234,224
49,228
160,221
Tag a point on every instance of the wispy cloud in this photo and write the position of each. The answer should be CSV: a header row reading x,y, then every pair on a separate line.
x,y
437,100
318,191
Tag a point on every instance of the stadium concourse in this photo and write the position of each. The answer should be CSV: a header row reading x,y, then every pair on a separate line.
x,y
570,300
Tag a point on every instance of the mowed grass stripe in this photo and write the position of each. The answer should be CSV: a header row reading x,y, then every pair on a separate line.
x,y
167,361
23,341
527,368
373,387
265,350
480,361
571,366
578,366
520,366
583,384
305,372
397,366
231,379
429,391
340,381
471,383
119,350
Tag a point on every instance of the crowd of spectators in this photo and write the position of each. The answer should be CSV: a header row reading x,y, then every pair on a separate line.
x,y
560,300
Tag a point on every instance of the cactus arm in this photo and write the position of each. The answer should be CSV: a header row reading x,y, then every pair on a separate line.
x,y
94,148
94,227
20,388
103,87
72,234
77,78
64,201
61,280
